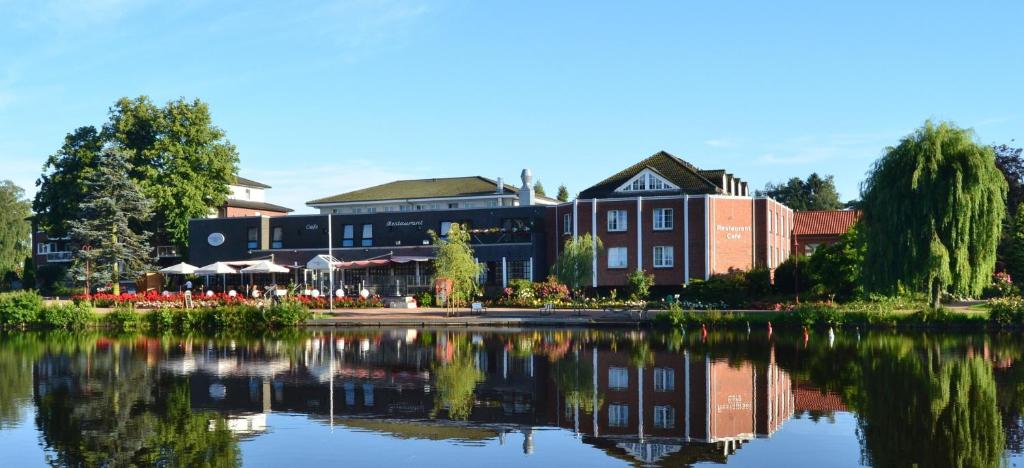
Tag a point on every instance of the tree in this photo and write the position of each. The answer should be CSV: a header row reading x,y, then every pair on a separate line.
x,y
816,193
15,229
28,273
1010,163
574,266
106,228
563,193
182,162
454,261
62,184
1013,247
538,188
933,213
835,270
639,285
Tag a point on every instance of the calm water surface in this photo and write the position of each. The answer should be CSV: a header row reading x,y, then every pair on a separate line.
x,y
435,397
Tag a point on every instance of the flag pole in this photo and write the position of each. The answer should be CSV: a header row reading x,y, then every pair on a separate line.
x,y
330,259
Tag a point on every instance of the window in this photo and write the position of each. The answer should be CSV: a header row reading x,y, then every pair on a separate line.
x,y
618,378
771,258
809,249
646,181
248,194
371,209
567,223
166,251
616,220
663,256
663,219
664,417
254,237
664,379
367,239
618,415
42,248
348,235
405,208
770,222
357,210
452,206
275,237
446,226
617,257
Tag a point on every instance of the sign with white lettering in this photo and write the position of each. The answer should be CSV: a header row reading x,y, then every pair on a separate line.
x,y
733,232
312,227
404,223
215,239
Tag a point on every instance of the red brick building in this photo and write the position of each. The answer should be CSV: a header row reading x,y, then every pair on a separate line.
x,y
813,229
666,216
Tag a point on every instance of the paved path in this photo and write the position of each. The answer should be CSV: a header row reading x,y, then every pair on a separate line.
x,y
492,317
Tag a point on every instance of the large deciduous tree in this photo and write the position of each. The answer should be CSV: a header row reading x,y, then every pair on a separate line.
x,y
933,212
111,246
15,229
815,193
180,160
574,266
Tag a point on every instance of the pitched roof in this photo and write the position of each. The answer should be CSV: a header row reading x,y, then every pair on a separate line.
x,y
242,181
420,188
833,222
255,205
680,173
807,398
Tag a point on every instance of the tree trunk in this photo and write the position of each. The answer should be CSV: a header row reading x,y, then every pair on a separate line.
x,y
936,295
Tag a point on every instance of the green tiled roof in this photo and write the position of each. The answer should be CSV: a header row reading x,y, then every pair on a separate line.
x,y
242,181
680,173
420,188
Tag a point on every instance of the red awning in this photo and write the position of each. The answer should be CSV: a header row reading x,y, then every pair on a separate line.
x,y
379,262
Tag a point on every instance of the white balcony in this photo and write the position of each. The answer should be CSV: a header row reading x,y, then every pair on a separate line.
x,y
57,257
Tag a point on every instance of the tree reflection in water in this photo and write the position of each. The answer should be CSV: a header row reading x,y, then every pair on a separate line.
x,y
919,399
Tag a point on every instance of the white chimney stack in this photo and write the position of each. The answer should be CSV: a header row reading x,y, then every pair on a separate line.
x,y
526,195
501,186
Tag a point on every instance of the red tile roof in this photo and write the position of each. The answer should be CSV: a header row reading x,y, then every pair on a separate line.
x,y
807,398
824,222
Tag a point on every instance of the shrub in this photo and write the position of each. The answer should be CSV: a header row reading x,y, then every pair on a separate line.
x,y
19,309
123,319
729,289
1006,311
66,316
792,275
1002,286
639,285
425,299
551,290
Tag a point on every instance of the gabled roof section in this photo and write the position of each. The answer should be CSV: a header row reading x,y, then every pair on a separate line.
x,y
243,182
680,173
255,205
819,223
450,187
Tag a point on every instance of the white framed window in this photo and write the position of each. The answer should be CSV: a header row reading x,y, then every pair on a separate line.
x,y
617,220
43,248
618,378
567,223
367,239
664,379
664,417
618,415
663,256
771,257
452,206
809,249
663,219
617,257
646,180
166,251
405,208
348,236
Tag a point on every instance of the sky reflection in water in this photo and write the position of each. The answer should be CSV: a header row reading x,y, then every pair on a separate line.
x,y
511,398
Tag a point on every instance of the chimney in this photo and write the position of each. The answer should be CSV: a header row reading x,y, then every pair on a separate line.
x,y
526,195
501,186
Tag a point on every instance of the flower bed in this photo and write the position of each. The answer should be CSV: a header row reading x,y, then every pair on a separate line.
x,y
156,300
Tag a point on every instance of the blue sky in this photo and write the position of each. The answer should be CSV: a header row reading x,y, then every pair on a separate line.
x,y
322,98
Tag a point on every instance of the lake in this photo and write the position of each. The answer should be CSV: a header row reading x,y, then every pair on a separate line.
x,y
512,397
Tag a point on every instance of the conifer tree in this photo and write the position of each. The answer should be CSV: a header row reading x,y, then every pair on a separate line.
x,y
563,193
538,188
111,246
933,212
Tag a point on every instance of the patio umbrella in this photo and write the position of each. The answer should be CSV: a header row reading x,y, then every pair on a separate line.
x,y
218,268
179,269
265,266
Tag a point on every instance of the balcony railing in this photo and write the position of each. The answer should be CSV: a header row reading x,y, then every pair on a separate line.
x,y
55,257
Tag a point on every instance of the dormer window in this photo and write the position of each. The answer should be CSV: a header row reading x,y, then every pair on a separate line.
x,y
646,180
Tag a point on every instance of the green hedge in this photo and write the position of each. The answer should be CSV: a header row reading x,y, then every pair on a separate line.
x,y
25,309
232,317
824,315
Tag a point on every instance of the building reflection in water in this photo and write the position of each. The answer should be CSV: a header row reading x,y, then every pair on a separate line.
x,y
643,405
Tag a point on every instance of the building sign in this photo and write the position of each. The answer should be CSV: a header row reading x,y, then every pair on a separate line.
x,y
733,232
215,239
404,223
312,227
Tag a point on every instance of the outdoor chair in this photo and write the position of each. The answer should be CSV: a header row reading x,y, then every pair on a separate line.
x,y
548,309
477,308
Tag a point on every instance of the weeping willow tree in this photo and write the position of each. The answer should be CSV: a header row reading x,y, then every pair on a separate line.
x,y
574,266
456,383
933,211
454,261
575,379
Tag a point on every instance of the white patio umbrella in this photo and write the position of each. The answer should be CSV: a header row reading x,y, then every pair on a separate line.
x,y
264,266
218,268
179,269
